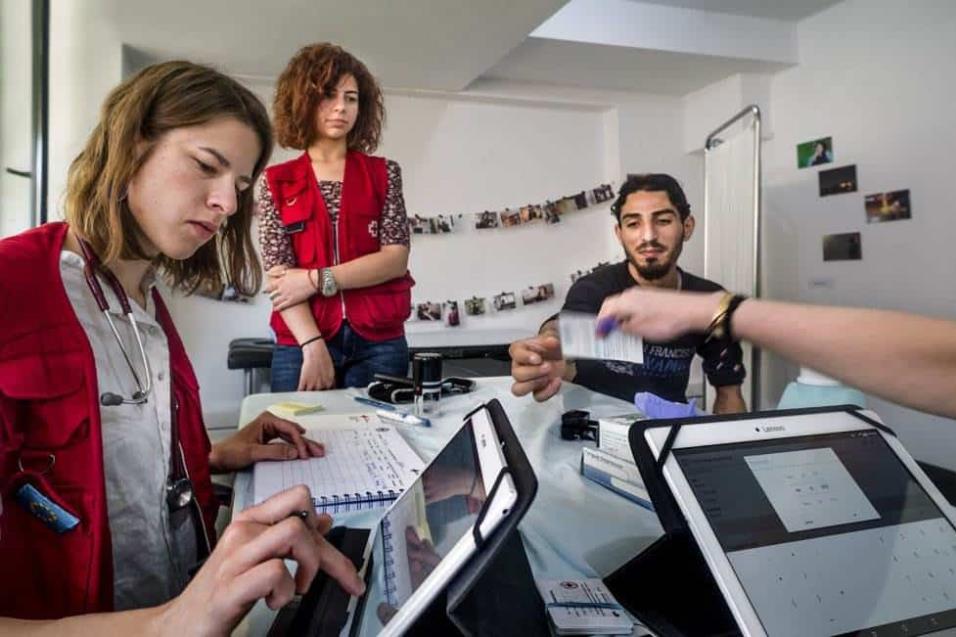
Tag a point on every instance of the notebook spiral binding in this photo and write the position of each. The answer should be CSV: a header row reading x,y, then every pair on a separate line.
x,y
391,588
354,501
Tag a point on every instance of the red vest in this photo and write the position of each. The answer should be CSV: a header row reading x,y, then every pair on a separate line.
x,y
376,313
49,405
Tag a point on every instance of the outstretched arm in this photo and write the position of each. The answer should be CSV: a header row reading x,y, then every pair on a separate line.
x,y
905,358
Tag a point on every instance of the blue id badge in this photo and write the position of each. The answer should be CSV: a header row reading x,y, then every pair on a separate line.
x,y
45,509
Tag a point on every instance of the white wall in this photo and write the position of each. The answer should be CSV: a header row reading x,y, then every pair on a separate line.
x,y
15,115
85,63
461,155
877,75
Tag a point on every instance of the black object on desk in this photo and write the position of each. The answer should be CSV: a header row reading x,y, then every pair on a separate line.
x,y
401,390
494,594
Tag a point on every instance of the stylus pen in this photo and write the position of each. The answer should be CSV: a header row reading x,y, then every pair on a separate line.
x,y
606,325
378,404
403,418
387,411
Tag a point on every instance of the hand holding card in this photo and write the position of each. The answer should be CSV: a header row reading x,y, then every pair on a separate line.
x,y
584,336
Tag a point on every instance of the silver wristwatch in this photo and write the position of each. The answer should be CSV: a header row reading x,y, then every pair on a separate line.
x,y
329,286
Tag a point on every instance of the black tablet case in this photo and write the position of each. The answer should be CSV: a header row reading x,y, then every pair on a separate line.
x,y
669,586
494,594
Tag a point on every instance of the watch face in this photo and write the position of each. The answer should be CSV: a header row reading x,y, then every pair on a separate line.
x,y
328,283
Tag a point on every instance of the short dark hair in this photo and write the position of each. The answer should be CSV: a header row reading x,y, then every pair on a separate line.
x,y
652,182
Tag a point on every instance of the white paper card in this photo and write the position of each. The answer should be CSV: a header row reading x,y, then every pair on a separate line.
x,y
583,607
579,340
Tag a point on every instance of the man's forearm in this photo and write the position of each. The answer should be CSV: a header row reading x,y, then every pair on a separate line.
x,y
729,400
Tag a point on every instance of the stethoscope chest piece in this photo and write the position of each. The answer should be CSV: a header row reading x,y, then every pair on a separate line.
x,y
179,493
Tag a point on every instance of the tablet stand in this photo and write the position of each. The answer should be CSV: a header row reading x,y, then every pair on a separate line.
x,y
502,602
669,588
494,594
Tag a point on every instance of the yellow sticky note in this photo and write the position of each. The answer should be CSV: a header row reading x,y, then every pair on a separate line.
x,y
291,408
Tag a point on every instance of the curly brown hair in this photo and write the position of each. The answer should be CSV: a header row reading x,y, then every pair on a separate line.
x,y
311,74
158,99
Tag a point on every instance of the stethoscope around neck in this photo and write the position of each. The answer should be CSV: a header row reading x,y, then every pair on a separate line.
x,y
90,268
179,487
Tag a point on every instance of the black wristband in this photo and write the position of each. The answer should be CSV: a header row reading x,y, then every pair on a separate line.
x,y
731,308
310,340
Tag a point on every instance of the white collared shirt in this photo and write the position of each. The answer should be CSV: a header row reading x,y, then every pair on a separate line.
x,y
152,549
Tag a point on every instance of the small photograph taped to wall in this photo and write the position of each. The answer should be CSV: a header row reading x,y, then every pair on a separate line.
x,y
551,213
566,205
505,301
510,218
581,200
474,306
887,206
530,213
428,311
442,224
847,246
537,294
837,181
452,317
815,153
603,193
485,220
420,225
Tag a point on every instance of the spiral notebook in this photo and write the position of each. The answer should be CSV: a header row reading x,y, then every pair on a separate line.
x,y
367,464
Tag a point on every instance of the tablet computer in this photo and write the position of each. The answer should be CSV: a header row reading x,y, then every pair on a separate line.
x,y
814,524
439,536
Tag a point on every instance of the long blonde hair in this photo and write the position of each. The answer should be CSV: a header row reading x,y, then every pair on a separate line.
x,y
133,118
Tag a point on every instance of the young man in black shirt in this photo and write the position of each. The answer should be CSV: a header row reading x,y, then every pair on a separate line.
x,y
653,222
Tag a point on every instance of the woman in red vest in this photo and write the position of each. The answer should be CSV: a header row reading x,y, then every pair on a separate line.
x,y
333,230
106,502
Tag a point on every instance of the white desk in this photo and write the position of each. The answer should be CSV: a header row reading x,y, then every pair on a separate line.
x,y
575,528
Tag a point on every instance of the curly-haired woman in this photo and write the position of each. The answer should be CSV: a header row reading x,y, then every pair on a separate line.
x,y
333,229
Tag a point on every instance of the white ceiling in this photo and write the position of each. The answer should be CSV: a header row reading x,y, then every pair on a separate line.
x,y
619,68
444,45
424,44
776,9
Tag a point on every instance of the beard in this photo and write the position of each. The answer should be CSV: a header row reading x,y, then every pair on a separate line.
x,y
659,267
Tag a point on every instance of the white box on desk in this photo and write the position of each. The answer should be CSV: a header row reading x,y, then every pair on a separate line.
x,y
618,475
612,434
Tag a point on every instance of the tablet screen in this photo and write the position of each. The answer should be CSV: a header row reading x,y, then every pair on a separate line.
x,y
421,528
828,534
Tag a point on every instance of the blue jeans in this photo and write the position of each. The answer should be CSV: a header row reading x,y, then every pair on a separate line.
x,y
356,360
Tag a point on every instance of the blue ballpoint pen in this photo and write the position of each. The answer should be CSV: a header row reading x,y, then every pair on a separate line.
x,y
391,412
